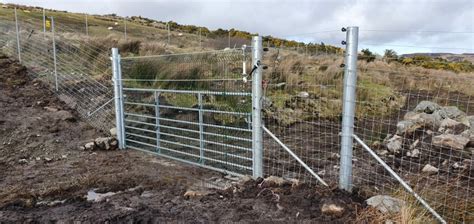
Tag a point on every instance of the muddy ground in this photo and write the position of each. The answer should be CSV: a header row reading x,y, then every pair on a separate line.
x,y
45,176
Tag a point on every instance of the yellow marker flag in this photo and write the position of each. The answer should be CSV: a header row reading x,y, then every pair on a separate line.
x,y
48,24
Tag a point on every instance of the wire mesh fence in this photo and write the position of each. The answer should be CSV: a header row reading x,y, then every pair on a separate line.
x,y
196,107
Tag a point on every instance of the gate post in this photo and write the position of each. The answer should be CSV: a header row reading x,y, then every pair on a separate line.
x,y
257,139
348,113
54,55
157,122
118,95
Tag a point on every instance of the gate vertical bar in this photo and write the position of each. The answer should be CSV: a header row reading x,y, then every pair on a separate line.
x,y
257,139
56,86
117,79
157,122
201,130
348,113
17,37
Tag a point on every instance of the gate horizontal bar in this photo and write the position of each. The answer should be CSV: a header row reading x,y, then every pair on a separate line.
x,y
192,146
190,154
190,92
190,122
193,131
188,108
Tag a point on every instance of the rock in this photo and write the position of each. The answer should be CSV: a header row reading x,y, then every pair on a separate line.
x,y
332,209
450,126
64,115
47,159
106,143
429,169
266,102
193,194
51,109
458,142
414,153
407,127
303,94
113,132
427,107
22,161
90,146
414,144
394,144
412,116
385,203
146,194
451,112
276,180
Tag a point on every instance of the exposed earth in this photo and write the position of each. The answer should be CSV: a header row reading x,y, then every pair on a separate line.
x,y
47,177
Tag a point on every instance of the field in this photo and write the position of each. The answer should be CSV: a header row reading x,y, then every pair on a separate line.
x,y
48,176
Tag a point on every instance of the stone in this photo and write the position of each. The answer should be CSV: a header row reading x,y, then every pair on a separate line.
x,y
407,127
427,107
412,116
413,153
394,144
450,126
64,115
452,112
303,94
458,142
89,146
113,132
47,159
386,204
22,161
414,144
429,169
276,180
106,143
193,194
51,109
332,209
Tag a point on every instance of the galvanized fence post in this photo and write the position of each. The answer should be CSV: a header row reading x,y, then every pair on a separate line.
x,y
157,122
56,84
125,28
87,27
348,113
257,135
17,37
118,95
44,23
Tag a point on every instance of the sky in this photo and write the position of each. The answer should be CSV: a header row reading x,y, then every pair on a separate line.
x,y
406,26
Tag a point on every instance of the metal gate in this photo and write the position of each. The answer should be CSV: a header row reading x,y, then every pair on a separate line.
x,y
195,108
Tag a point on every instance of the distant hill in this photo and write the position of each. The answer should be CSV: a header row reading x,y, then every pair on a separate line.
x,y
448,56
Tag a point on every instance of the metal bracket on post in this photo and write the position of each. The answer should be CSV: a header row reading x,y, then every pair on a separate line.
x,y
257,134
17,37
117,79
54,56
348,113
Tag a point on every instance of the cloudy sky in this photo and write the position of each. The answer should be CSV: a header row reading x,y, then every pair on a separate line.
x,y
404,25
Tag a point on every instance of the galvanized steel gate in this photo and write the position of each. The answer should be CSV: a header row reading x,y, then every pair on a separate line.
x,y
194,108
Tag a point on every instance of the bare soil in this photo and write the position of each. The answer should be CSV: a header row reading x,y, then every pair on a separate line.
x,y
45,177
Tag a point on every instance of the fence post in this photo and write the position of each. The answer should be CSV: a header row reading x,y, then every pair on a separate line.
x,y
257,139
125,27
157,122
117,79
169,32
44,23
348,113
87,27
17,37
54,56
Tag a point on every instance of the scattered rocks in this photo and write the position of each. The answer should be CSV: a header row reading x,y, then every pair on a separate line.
x,y
102,143
386,204
275,180
414,153
458,142
332,209
193,194
407,127
450,126
51,109
23,161
303,94
429,169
